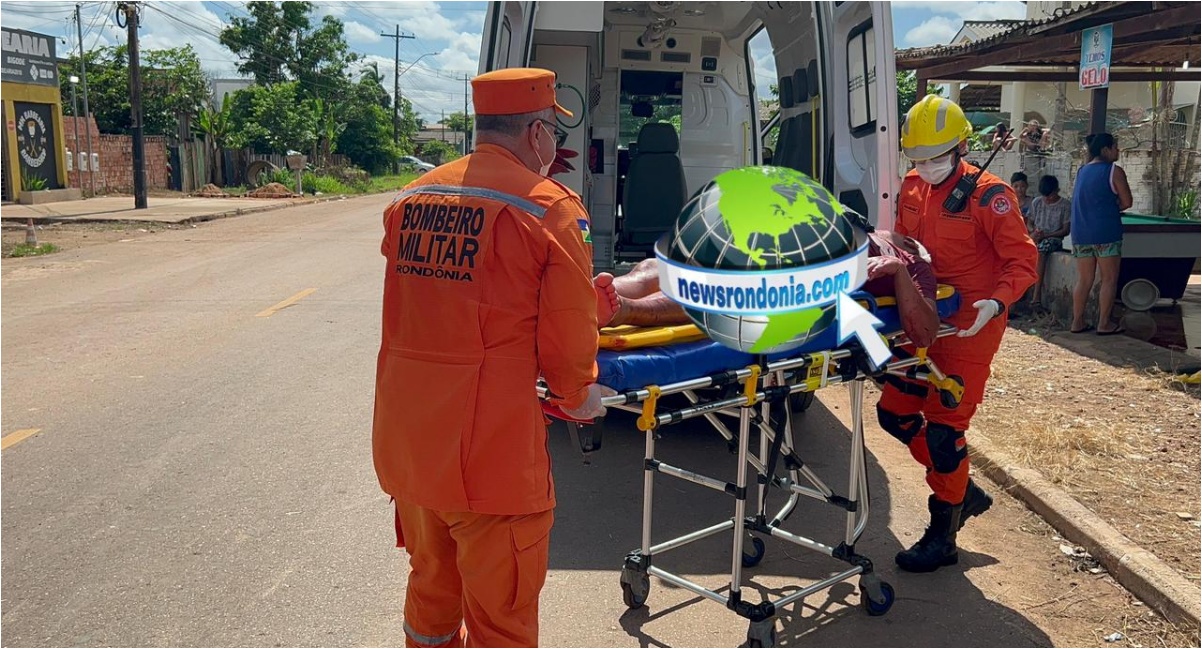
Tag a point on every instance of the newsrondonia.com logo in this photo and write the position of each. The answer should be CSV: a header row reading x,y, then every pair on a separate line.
x,y
762,292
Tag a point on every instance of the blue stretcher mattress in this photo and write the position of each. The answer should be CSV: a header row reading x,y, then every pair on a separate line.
x,y
637,368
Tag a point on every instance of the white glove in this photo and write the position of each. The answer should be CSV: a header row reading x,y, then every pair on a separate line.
x,y
986,311
591,408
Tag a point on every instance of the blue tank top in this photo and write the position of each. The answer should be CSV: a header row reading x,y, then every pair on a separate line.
x,y
1096,218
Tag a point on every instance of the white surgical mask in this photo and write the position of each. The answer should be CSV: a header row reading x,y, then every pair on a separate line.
x,y
544,169
935,171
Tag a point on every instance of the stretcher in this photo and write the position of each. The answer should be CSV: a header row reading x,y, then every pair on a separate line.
x,y
761,393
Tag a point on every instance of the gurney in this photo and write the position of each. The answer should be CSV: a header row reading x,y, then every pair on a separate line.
x,y
762,392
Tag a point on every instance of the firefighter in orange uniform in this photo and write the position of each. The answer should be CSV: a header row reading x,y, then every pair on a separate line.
x,y
488,286
983,251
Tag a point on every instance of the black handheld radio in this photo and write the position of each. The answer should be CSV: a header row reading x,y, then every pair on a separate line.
x,y
958,199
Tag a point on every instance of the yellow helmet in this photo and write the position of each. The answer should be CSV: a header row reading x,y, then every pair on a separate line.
x,y
933,127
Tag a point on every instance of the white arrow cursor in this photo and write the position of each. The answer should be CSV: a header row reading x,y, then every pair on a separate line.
x,y
855,320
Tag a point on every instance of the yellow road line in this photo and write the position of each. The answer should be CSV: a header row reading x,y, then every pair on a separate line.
x,y
265,313
17,436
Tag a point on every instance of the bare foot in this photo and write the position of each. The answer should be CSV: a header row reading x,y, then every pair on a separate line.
x,y
608,302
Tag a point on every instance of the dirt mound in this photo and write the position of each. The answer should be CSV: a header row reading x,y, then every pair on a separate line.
x,y
211,191
271,190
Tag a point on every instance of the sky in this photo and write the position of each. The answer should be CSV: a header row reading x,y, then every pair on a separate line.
x,y
446,41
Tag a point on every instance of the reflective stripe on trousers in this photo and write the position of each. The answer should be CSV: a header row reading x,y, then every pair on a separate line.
x,y
429,640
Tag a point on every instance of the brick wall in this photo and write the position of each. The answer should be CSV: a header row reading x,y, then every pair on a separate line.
x,y
69,131
115,173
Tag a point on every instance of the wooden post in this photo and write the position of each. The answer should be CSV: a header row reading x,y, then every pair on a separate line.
x,y
1097,110
921,90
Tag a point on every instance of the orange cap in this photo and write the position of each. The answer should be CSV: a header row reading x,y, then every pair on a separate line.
x,y
514,91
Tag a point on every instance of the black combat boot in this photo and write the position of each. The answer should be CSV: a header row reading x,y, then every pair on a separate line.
x,y
937,547
976,502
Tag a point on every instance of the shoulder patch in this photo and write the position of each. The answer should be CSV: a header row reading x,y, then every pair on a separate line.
x,y
989,194
996,199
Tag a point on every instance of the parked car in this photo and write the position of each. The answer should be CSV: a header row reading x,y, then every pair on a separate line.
x,y
410,163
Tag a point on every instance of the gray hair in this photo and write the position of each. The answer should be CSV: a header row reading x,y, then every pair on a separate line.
x,y
510,126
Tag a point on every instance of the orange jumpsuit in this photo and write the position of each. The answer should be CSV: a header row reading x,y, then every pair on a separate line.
x,y
984,252
488,286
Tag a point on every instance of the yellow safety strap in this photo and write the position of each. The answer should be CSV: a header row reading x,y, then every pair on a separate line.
x,y
752,384
647,420
816,373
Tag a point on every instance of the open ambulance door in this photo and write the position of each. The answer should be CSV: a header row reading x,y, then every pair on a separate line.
x,y
508,35
507,42
862,161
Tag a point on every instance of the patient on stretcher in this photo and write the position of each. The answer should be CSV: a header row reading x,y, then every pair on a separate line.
x,y
895,269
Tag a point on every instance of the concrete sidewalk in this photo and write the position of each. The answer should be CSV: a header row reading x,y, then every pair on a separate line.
x,y
159,210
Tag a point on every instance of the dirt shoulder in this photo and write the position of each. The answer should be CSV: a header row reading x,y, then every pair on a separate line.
x,y
1123,442
71,236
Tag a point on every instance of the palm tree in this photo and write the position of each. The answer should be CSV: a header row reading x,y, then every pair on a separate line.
x,y
216,127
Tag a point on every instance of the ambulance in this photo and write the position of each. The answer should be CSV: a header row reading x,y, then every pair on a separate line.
x,y
665,97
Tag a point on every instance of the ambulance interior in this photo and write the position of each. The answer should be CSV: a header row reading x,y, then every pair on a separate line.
x,y
665,98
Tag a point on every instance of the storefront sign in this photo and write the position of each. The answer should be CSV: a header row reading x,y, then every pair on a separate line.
x,y
28,57
37,145
1095,56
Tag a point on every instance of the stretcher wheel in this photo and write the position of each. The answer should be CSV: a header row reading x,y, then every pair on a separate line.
x,y
800,401
758,550
762,634
634,595
877,608
949,399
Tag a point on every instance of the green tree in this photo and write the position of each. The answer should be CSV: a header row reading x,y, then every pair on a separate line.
x,y
367,118
215,126
173,87
179,89
457,122
907,91
273,119
279,42
438,152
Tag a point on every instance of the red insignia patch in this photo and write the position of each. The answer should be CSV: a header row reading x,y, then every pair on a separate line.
x,y
1001,205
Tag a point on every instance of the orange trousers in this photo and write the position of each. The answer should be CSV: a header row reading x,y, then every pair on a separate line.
x,y
933,433
479,571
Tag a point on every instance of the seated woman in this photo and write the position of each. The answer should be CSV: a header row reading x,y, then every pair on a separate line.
x,y
896,268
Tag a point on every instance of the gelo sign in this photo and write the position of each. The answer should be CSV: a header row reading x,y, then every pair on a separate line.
x,y
1096,44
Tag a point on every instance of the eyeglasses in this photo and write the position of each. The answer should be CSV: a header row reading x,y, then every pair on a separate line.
x,y
561,135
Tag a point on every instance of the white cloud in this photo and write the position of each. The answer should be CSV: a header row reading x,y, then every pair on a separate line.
x,y
358,32
1001,10
935,30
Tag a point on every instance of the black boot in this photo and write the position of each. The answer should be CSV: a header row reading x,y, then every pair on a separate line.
x,y
937,547
976,502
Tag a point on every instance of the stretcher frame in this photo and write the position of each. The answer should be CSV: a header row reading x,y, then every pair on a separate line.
x,y
770,385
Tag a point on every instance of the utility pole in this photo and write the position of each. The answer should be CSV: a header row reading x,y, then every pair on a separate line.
x,y
131,11
83,73
396,85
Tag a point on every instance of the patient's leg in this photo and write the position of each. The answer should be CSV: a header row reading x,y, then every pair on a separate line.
x,y
635,299
641,281
654,310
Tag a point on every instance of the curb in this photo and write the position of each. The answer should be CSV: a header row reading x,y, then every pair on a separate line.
x,y
1147,577
199,218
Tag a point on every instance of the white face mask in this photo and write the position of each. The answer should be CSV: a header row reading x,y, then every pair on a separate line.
x,y
544,169
935,171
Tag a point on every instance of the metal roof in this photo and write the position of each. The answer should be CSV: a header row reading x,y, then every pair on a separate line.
x,y
991,28
1161,43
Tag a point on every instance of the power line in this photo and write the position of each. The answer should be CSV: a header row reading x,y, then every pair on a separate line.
x,y
396,86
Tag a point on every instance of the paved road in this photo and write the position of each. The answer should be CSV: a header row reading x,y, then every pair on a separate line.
x,y
201,474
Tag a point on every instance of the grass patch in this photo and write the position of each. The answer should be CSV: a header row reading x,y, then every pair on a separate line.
x,y
314,184
389,183
26,250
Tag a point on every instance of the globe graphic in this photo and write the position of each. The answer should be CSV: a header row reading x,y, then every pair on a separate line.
x,y
758,219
